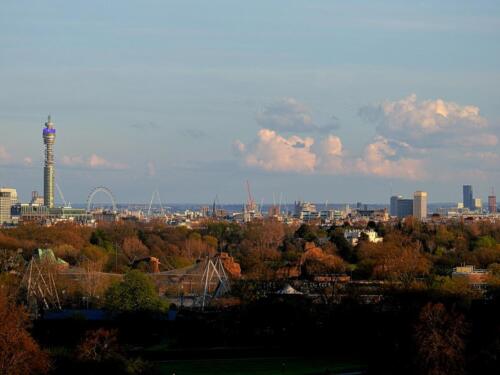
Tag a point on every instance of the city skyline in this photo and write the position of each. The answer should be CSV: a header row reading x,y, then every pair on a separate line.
x,y
155,97
50,200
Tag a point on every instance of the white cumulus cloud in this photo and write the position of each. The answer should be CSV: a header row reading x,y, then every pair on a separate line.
x,y
330,155
380,158
430,123
414,139
273,152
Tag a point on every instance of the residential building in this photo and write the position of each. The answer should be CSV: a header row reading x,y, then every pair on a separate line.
x,y
273,211
8,198
353,236
305,211
492,204
478,204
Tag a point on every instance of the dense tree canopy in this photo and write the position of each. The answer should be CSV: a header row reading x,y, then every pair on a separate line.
x,y
264,247
19,353
136,293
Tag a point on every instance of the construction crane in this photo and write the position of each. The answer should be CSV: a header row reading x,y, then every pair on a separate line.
x,y
61,195
250,201
279,205
156,193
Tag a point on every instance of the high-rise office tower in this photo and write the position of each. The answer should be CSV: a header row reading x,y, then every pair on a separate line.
x,y
420,205
393,209
492,203
468,197
49,138
404,207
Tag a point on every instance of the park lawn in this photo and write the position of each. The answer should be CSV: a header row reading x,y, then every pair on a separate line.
x,y
257,366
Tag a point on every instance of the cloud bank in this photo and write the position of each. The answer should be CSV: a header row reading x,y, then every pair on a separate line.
x,y
414,140
290,115
274,153
430,123
92,162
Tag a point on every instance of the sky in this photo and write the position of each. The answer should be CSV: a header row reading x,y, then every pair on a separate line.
x,y
342,101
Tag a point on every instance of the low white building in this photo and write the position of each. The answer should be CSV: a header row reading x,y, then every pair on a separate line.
x,y
353,236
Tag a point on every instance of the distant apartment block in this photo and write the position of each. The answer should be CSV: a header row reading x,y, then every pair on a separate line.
x,y
8,198
478,204
492,204
305,211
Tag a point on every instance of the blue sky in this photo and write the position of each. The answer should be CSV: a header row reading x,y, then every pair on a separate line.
x,y
337,100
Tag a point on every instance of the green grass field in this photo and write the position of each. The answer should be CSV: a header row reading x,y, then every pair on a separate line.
x,y
257,366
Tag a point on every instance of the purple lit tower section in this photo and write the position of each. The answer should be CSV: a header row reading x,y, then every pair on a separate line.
x,y
49,138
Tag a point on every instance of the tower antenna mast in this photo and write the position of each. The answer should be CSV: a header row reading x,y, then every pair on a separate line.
x,y
49,138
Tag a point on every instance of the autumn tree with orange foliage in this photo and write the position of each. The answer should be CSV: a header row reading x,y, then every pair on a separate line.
x,y
61,233
259,248
390,261
19,353
134,249
316,262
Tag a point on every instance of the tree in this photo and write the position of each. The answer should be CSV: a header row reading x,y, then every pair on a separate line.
x,y
93,282
258,253
316,262
485,242
98,346
307,233
100,353
95,253
265,235
344,247
134,249
67,252
392,261
440,341
458,289
136,293
19,353
485,256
